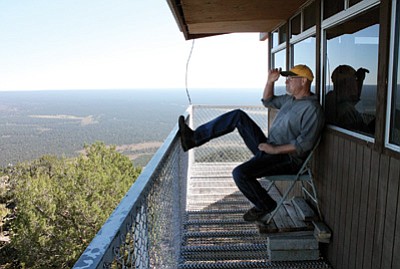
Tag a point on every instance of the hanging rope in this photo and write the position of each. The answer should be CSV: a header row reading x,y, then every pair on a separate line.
x,y
186,75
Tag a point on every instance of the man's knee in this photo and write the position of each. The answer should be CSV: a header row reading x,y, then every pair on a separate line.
x,y
239,112
241,117
238,175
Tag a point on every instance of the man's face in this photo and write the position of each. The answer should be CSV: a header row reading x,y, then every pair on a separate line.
x,y
293,84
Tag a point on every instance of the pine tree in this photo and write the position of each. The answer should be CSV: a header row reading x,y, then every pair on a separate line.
x,y
62,203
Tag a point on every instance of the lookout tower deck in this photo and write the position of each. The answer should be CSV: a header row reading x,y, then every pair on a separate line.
x,y
216,236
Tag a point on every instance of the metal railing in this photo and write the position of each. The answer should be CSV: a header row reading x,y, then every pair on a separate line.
x,y
144,231
230,147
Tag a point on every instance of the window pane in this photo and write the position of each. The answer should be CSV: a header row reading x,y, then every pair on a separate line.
x,y
309,16
394,137
304,53
351,77
275,38
353,2
282,34
280,62
395,117
331,7
295,26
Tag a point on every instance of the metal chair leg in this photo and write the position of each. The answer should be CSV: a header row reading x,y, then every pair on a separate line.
x,y
313,196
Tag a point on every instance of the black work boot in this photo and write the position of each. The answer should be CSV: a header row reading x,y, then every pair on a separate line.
x,y
187,134
255,214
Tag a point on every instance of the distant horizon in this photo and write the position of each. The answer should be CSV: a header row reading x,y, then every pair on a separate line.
x,y
135,89
158,88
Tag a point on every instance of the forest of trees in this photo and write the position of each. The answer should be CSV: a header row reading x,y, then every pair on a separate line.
x,y
51,207
61,124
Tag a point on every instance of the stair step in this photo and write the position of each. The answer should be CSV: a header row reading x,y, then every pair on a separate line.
x,y
216,215
241,204
217,227
234,198
209,190
225,252
207,219
222,237
212,198
215,222
213,184
215,212
259,264
249,233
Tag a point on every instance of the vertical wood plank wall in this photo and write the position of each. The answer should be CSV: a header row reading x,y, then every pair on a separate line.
x,y
359,195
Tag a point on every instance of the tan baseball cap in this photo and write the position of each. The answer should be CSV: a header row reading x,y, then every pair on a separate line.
x,y
299,70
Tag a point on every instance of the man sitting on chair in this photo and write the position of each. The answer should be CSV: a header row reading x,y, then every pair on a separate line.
x,y
291,137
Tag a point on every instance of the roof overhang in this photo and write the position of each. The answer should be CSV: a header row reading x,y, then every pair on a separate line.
x,y
200,18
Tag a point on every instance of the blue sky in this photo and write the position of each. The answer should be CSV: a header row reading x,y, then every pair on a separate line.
x,y
117,44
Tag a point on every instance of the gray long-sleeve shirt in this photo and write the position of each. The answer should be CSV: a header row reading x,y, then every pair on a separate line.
x,y
299,122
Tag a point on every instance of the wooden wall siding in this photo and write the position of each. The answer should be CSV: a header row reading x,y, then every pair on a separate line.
x,y
396,249
359,195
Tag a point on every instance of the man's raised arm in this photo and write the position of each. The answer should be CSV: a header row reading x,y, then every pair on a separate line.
x,y
273,75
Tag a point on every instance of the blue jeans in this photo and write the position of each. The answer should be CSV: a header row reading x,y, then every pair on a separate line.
x,y
261,164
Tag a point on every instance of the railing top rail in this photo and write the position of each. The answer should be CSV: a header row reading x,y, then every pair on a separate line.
x,y
226,106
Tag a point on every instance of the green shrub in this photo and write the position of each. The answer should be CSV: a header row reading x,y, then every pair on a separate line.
x,y
62,203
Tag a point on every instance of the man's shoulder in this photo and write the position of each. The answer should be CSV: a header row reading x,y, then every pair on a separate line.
x,y
276,101
313,100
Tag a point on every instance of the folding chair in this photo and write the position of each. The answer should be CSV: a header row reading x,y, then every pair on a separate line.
x,y
304,176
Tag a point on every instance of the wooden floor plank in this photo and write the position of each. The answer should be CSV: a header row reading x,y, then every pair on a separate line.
x,y
286,220
298,223
295,255
269,228
304,210
294,242
282,219
322,232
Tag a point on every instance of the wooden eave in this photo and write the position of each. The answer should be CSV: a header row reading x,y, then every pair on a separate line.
x,y
199,18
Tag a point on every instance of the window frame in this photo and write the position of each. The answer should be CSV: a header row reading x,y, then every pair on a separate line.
x,y
391,75
347,13
279,47
303,35
311,32
341,17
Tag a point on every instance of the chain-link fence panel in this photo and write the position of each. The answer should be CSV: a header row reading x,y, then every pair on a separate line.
x,y
144,230
230,147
